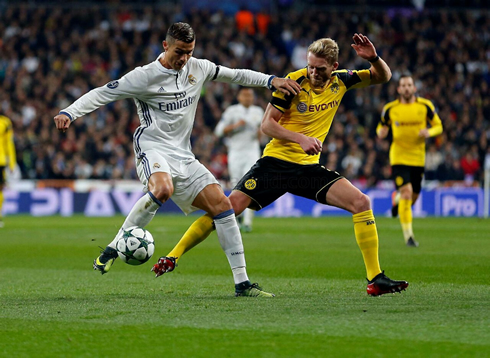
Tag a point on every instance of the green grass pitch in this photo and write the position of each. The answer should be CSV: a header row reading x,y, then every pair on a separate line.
x,y
52,304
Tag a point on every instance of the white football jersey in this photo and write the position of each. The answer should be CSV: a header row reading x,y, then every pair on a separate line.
x,y
245,138
166,101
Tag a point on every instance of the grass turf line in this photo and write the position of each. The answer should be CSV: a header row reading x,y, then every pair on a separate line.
x,y
53,304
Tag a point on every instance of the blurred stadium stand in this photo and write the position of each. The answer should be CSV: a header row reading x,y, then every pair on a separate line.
x,y
50,55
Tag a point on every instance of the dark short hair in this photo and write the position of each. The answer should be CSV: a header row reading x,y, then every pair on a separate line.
x,y
240,88
180,31
405,75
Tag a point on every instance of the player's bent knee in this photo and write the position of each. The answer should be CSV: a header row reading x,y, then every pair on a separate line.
x,y
361,203
161,191
406,192
222,205
161,186
162,194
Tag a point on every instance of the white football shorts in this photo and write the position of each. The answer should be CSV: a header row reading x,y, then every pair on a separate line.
x,y
189,177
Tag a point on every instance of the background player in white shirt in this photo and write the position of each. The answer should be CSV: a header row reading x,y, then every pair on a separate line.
x,y
240,124
166,93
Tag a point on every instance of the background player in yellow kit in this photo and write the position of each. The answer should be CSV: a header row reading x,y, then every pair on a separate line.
x,y
290,163
411,119
7,155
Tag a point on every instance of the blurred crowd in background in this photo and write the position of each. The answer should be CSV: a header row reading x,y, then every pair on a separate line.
x,y
49,57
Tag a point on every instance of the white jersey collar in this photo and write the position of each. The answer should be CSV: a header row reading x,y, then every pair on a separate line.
x,y
167,70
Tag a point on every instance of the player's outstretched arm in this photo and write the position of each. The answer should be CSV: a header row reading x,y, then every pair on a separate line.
x,y
365,49
251,78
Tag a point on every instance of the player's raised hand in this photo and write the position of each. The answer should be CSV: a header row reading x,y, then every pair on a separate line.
x,y
286,85
363,47
310,145
62,122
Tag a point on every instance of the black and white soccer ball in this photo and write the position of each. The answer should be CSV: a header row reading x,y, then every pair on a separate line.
x,y
135,245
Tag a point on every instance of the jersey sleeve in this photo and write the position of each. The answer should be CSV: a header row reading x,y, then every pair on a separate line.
x,y
9,144
433,119
130,85
246,78
209,69
354,78
385,118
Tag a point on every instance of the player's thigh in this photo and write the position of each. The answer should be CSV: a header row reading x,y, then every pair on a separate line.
x,y
264,182
190,179
344,195
416,176
155,174
161,186
149,163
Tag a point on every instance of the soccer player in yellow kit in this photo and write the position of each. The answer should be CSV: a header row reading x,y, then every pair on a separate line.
x,y
290,162
7,155
411,119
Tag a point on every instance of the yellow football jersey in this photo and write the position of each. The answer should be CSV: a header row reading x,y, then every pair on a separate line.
x,y
7,149
406,121
311,112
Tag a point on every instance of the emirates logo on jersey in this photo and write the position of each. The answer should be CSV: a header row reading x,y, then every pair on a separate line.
x,y
192,80
301,107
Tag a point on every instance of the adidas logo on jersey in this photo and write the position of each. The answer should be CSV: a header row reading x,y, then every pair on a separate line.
x,y
161,90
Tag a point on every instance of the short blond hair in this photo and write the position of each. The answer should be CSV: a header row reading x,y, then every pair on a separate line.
x,y
326,48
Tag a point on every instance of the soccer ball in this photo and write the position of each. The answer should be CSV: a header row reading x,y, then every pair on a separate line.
x,y
135,245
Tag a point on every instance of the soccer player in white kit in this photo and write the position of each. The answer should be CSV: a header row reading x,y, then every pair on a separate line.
x,y
166,93
240,124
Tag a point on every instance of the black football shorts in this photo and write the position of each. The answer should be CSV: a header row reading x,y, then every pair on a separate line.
x,y
271,178
404,174
2,176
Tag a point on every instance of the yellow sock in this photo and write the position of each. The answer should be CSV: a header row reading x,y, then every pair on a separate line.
x,y
367,239
405,213
1,202
195,234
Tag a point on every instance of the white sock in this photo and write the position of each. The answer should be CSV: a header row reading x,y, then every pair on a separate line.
x,y
231,243
140,215
248,216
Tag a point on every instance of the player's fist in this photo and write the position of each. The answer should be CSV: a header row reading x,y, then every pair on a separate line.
x,y
424,133
310,145
383,131
62,122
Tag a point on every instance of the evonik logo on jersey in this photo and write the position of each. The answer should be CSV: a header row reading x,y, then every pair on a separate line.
x,y
323,106
409,124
